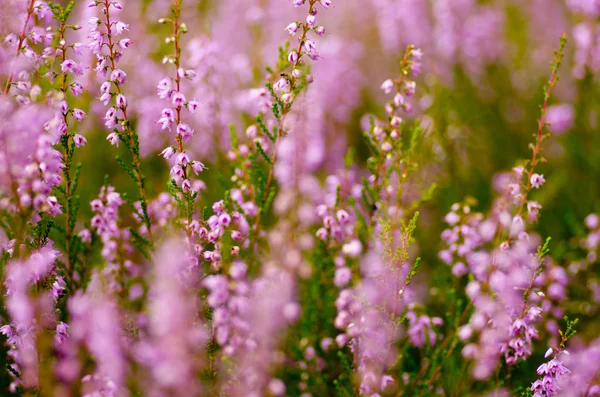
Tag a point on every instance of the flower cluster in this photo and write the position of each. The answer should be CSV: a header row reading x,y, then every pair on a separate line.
x,y
550,372
108,54
116,240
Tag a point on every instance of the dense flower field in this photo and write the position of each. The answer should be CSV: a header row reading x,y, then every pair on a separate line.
x,y
299,198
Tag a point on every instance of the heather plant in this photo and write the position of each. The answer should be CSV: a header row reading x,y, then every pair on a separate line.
x,y
299,198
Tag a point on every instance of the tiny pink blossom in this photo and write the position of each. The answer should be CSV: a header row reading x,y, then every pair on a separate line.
x,y
537,180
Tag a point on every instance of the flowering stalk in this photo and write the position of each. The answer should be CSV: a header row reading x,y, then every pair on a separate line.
x,y
536,180
386,140
121,126
289,86
368,313
69,140
553,369
170,89
511,266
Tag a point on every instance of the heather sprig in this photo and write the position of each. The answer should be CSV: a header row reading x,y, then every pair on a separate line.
x,y
284,87
500,320
534,180
67,117
108,53
370,311
170,90
554,369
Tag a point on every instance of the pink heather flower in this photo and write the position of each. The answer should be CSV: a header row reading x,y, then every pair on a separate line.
x,y
54,206
225,219
125,43
64,107
514,189
41,9
293,57
93,23
396,121
11,39
120,27
164,87
352,249
410,88
342,216
23,85
325,3
183,159
190,74
297,3
251,131
592,221
168,117
198,167
76,89
533,208
537,180
398,100
78,114
387,86
168,152
178,99
79,140
311,49
105,87
37,38
70,66
322,233
111,113
342,276
282,85
276,387
77,48
292,28
311,20
519,171
113,138
185,131
118,76
320,30
186,186
105,98
121,101
192,106
176,171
